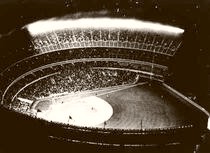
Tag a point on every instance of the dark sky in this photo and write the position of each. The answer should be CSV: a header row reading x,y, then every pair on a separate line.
x,y
19,12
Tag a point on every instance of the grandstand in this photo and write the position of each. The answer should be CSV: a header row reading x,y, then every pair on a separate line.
x,y
77,64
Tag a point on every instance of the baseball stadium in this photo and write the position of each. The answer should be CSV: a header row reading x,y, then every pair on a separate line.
x,y
95,82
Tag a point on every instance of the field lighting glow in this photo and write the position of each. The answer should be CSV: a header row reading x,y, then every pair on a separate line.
x,y
49,25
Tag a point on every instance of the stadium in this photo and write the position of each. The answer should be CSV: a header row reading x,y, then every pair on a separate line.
x,y
98,82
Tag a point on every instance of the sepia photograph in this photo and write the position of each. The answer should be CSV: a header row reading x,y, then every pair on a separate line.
x,y
105,76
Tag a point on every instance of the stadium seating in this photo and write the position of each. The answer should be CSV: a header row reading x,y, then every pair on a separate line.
x,y
39,66
147,59
80,38
68,81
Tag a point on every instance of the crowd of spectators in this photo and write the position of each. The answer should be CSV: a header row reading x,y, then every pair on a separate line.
x,y
82,38
158,61
77,79
39,67
151,63
20,106
104,64
70,78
